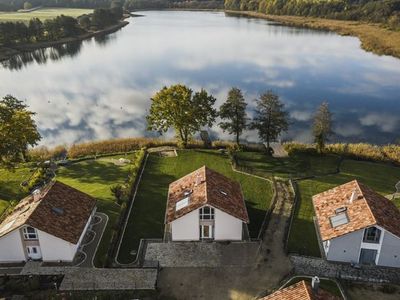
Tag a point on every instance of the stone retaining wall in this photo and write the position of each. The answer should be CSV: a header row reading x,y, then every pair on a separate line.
x,y
319,267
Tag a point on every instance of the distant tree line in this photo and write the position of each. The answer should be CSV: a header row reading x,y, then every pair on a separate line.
x,y
381,11
13,5
164,4
59,27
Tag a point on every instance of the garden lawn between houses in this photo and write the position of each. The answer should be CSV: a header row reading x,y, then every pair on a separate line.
x,y
378,176
43,14
95,177
147,216
10,185
295,166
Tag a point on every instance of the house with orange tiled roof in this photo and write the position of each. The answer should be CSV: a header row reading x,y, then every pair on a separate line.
x,y
48,225
205,205
301,290
357,225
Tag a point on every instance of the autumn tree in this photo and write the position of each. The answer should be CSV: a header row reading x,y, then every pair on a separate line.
x,y
233,114
270,118
179,108
18,131
322,126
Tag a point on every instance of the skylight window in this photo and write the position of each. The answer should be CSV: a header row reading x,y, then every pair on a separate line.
x,y
182,203
7,226
339,219
223,192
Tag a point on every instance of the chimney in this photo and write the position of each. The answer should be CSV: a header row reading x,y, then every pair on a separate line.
x,y
198,180
315,284
36,195
353,196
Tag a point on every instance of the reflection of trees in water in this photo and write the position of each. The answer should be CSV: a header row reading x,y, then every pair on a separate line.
x,y
104,39
41,56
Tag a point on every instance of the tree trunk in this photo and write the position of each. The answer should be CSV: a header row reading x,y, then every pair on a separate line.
x,y
237,139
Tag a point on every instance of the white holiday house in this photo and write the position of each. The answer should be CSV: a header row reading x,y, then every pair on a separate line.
x,y
48,225
205,205
357,225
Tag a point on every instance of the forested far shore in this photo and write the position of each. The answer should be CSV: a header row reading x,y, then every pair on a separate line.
x,y
374,37
386,12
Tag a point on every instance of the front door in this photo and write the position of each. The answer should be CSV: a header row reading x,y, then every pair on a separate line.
x,y
368,256
206,232
34,252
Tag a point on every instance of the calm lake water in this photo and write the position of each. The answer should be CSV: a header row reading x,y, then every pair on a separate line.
x,y
101,88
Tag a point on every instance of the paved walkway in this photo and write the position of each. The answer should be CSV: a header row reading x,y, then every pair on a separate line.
x,y
279,151
90,248
109,279
202,254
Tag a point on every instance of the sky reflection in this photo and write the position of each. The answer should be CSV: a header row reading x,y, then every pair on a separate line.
x,y
101,88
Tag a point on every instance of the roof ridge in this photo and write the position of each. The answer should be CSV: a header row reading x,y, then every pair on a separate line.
x,y
365,199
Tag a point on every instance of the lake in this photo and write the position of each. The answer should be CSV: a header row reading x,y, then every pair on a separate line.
x,y
100,88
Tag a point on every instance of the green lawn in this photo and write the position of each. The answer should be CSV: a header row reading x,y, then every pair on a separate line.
x,y
10,186
43,14
297,165
147,216
380,177
325,284
95,177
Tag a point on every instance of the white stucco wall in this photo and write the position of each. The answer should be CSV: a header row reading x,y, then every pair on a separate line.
x,y
389,255
11,249
186,228
54,249
346,248
227,227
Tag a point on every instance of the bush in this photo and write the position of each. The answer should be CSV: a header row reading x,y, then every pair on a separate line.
x,y
360,151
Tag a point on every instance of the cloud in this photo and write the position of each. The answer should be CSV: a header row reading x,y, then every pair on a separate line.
x,y
386,122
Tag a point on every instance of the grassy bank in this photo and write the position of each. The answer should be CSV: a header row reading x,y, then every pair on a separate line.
x,y
147,217
43,14
374,37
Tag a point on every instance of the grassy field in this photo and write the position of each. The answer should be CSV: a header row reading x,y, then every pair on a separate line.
x,y
43,14
95,177
147,217
380,177
10,186
297,165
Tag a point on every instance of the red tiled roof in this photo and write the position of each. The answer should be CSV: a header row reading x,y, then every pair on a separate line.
x,y
61,211
300,291
368,208
206,187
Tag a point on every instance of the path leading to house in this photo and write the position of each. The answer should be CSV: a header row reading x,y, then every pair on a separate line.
x,y
90,248
279,151
224,275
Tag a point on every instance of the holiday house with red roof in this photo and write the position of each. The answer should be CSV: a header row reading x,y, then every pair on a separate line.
x,y
205,205
48,225
357,225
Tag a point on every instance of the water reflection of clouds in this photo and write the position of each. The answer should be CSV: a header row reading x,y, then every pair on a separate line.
x,y
102,92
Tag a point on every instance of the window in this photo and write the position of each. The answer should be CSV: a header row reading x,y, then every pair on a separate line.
x,y
182,203
206,232
372,235
206,213
30,233
339,219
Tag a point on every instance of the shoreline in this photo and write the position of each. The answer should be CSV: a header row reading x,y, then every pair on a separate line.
x,y
8,52
373,37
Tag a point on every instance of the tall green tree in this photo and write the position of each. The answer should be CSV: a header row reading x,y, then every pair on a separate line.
x,y
18,131
270,118
179,108
322,126
233,114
